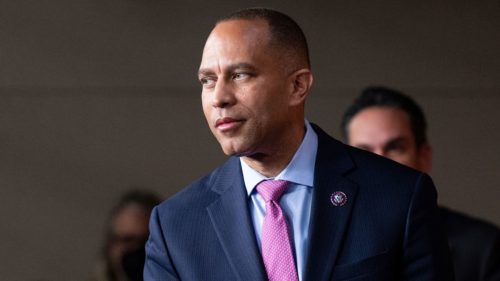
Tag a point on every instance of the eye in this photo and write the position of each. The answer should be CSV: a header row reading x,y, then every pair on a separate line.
x,y
396,148
240,76
207,81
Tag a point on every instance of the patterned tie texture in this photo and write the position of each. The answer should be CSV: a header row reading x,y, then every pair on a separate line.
x,y
276,245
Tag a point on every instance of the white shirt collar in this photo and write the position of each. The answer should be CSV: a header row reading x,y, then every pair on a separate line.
x,y
299,171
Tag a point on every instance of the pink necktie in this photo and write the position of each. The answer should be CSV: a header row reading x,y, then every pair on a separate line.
x,y
276,246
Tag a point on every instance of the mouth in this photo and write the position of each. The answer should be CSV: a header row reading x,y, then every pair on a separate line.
x,y
227,123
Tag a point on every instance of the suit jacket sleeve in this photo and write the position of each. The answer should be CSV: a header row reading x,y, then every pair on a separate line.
x,y
158,265
426,255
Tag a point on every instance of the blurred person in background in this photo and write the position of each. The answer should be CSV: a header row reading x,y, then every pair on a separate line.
x,y
126,235
391,124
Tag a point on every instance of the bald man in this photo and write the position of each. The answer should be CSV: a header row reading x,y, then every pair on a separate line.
x,y
291,203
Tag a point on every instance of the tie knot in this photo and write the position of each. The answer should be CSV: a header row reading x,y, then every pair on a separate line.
x,y
271,190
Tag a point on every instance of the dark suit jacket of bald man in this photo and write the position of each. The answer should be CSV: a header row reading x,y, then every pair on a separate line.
x,y
387,230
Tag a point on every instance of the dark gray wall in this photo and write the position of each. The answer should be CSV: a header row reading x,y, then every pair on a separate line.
x,y
100,95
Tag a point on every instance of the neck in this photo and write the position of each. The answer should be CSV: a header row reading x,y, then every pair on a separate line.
x,y
270,164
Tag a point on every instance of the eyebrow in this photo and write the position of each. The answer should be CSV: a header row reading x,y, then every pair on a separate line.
x,y
396,140
230,68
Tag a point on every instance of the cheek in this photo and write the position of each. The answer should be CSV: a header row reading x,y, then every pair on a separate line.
x,y
263,93
407,162
268,106
206,107
115,252
406,159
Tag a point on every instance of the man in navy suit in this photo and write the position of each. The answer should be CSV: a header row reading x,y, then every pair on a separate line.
x,y
391,124
349,214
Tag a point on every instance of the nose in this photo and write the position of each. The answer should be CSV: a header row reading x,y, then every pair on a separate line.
x,y
223,95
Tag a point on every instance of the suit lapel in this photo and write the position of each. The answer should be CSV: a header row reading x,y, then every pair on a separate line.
x,y
328,222
231,219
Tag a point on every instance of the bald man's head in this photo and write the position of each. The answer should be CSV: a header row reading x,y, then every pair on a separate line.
x,y
287,38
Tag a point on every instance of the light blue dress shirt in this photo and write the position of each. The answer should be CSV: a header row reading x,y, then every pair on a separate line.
x,y
295,202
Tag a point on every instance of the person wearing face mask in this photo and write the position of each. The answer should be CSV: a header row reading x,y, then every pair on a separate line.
x,y
126,234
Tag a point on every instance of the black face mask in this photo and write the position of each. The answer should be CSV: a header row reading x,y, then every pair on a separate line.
x,y
133,264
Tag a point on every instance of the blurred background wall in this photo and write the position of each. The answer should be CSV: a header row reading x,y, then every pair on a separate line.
x,y
98,96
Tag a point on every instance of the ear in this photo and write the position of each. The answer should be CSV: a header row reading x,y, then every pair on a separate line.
x,y
425,158
301,82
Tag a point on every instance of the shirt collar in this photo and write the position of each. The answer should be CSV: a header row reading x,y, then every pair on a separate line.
x,y
299,171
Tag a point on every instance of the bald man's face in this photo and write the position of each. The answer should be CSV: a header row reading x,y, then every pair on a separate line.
x,y
386,131
246,92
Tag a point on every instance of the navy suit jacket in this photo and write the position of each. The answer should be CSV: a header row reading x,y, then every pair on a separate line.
x,y
386,231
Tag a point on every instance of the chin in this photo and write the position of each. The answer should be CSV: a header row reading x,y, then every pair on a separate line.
x,y
234,151
227,145
228,150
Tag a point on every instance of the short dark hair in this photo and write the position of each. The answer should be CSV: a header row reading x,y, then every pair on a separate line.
x,y
386,97
285,32
143,199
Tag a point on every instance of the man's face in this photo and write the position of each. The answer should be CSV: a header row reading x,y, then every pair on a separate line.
x,y
245,88
386,131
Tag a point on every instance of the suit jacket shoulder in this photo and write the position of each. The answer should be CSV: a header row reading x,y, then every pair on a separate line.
x,y
201,192
387,230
